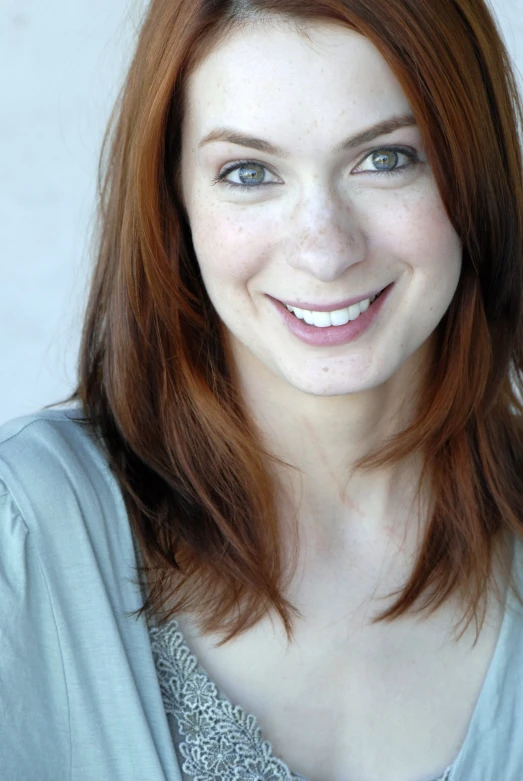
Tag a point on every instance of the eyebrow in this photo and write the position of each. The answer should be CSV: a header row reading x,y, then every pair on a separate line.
x,y
383,128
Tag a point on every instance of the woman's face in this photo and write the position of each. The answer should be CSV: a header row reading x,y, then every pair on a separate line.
x,y
287,206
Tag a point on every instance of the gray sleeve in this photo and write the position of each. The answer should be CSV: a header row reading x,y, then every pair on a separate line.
x,y
35,740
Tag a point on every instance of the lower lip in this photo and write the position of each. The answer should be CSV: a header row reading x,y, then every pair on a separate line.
x,y
332,335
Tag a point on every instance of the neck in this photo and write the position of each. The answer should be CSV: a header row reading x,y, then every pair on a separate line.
x,y
322,438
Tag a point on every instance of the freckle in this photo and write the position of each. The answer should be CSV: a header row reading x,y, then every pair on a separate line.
x,y
325,368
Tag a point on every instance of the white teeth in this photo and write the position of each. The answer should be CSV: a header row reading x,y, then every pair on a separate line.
x,y
354,311
339,317
321,319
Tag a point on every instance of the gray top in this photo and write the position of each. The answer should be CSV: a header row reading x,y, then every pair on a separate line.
x,y
87,692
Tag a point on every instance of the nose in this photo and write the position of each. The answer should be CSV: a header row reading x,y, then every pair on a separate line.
x,y
325,237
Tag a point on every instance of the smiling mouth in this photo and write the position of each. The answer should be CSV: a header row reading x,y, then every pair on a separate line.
x,y
335,318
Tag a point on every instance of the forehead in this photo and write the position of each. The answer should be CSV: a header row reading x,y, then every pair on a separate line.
x,y
273,79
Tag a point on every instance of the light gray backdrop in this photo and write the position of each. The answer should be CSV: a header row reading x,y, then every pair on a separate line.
x,y
61,65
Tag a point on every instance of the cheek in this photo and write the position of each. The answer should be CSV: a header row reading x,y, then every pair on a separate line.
x,y
229,248
438,251
437,236
434,254
418,230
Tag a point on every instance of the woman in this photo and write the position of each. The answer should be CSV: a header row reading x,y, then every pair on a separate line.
x,y
298,416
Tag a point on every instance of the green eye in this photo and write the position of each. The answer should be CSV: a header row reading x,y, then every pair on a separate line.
x,y
253,173
385,161
249,174
388,161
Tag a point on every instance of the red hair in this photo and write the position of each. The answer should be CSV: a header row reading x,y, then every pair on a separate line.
x,y
155,380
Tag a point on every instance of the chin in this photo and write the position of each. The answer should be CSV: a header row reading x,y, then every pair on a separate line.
x,y
331,384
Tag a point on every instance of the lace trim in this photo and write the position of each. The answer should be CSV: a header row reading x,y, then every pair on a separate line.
x,y
221,742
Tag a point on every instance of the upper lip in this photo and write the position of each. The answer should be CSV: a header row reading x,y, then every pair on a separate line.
x,y
335,306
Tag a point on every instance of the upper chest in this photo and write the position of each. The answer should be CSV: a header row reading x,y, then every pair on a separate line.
x,y
349,701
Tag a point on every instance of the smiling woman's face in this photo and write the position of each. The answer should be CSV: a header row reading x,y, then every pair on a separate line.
x,y
287,206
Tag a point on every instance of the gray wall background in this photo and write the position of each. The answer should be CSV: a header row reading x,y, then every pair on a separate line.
x,y
61,65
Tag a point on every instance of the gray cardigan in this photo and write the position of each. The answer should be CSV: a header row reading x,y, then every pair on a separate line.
x,y
80,697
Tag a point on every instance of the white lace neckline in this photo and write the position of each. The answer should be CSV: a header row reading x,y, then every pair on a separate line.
x,y
219,741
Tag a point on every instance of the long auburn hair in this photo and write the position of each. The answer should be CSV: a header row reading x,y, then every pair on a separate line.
x,y
155,381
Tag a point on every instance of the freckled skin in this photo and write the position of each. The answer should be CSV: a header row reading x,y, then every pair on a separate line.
x,y
321,232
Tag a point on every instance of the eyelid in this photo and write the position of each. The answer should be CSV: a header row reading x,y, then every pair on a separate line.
x,y
230,167
409,152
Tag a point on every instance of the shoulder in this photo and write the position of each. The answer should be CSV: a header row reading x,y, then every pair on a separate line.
x,y
48,439
57,485
52,460
67,589
37,472
60,501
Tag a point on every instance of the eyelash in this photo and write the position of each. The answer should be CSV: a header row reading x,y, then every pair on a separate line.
x,y
414,160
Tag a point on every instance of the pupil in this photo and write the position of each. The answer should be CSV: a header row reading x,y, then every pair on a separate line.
x,y
381,159
251,173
